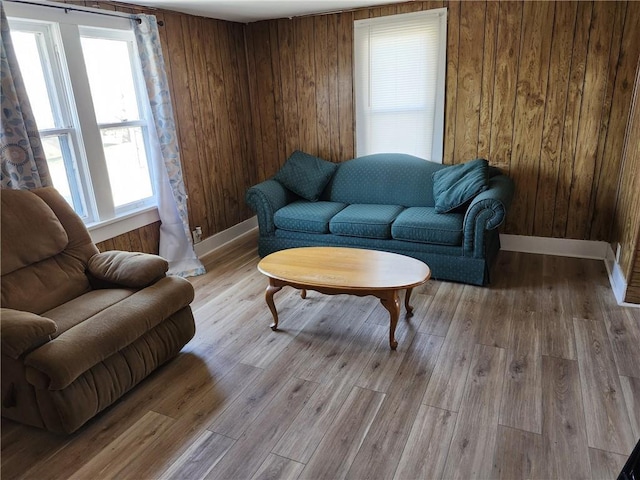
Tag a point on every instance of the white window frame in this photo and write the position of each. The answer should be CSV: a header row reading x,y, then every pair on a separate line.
x,y
362,78
75,110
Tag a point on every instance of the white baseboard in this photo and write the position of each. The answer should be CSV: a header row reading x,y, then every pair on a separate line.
x,y
221,239
564,247
514,243
616,278
561,247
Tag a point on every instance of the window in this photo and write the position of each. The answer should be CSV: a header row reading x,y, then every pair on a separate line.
x,y
399,73
84,85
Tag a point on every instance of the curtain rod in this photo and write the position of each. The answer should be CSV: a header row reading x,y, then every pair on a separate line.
x,y
66,8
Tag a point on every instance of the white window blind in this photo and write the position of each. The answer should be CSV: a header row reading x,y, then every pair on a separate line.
x,y
399,80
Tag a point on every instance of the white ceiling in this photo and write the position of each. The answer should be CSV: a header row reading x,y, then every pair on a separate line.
x,y
246,11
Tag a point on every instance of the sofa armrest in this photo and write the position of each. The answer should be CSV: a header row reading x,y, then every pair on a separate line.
x,y
129,269
56,364
21,331
486,212
266,199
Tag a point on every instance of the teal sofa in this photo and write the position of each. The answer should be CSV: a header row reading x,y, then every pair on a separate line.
x,y
386,202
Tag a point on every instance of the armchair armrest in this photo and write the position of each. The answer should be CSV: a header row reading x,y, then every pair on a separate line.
x,y
21,331
486,212
266,199
129,269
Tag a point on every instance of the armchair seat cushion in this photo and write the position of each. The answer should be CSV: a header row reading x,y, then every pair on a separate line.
x,y
425,225
369,221
76,311
78,349
307,217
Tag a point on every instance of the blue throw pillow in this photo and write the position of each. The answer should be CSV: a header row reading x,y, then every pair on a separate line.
x,y
457,185
306,175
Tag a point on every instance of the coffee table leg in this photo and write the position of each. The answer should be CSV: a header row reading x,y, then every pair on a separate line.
x,y
392,303
408,307
268,296
303,293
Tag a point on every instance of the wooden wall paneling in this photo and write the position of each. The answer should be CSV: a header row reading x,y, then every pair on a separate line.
x,y
590,116
185,123
602,166
135,242
345,86
529,113
506,76
332,77
488,79
288,78
451,82
361,14
234,123
223,163
204,134
140,240
106,245
215,144
278,100
247,145
571,118
557,88
471,42
150,238
383,11
266,108
305,83
254,93
619,115
121,242
322,100
413,7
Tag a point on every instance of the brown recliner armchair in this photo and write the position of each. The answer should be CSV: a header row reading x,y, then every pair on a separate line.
x,y
79,328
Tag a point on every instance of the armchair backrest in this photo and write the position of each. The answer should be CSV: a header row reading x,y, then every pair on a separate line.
x,y
45,249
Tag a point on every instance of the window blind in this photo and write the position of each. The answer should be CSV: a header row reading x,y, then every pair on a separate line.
x,y
399,83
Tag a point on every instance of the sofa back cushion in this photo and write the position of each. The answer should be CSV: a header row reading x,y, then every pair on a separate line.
x,y
305,175
384,179
45,250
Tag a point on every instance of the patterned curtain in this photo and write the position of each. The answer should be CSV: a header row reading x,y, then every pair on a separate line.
x,y
175,237
24,165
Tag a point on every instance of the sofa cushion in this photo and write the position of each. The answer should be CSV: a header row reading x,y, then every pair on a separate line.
x,y
424,225
310,217
384,179
306,175
456,185
369,221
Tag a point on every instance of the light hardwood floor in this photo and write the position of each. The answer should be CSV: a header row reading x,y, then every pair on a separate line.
x,y
537,376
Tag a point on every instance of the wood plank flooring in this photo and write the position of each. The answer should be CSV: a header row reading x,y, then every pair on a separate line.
x,y
536,376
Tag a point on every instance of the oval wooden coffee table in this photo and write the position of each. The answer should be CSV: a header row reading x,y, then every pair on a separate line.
x,y
352,271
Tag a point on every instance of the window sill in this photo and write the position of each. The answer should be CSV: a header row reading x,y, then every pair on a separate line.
x,y
108,229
